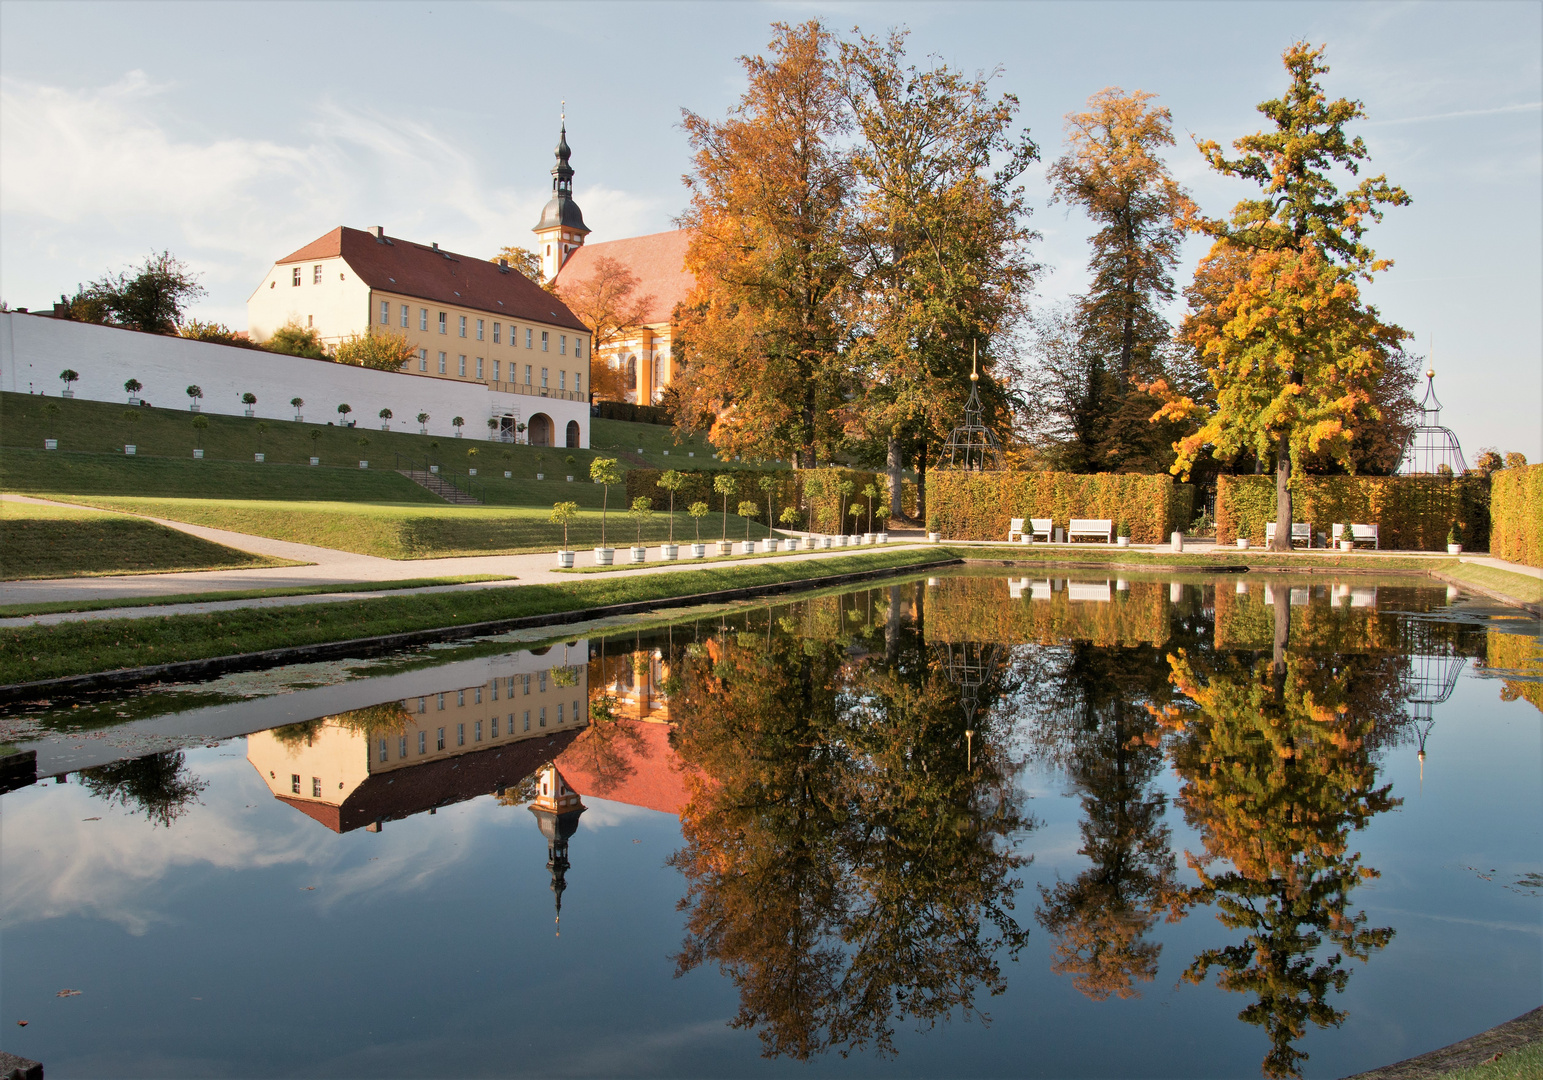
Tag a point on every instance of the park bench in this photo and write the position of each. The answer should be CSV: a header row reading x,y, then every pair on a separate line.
x,y
1015,528
1100,528
1301,533
1040,527
1037,527
1360,534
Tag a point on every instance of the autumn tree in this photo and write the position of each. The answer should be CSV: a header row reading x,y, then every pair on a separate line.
x,y
1292,350
769,185
939,245
525,261
1113,171
382,350
606,300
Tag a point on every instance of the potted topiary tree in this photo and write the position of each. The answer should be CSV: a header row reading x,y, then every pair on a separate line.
x,y
471,461
768,484
363,441
605,472
748,510
870,493
640,511
132,387
298,403
493,427
249,400
130,418
1242,534
423,423
854,537
1454,540
570,461
343,411
385,419
262,428
698,511
200,425
934,529
1347,536
194,392
458,422
725,484
315,439
1122,534
792,519
672,481
67,376
844,489
562,513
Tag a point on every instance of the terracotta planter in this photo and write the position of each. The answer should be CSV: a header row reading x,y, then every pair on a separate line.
x,y
565,560
604,555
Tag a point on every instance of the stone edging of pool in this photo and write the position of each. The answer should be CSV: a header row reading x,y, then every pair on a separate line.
x,y
361,647
1524,1030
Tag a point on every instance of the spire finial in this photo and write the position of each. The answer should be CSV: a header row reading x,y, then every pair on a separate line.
x,y
563,115
974,367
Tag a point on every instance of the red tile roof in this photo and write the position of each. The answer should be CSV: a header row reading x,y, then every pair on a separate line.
x,y
659,261
392,264
648,773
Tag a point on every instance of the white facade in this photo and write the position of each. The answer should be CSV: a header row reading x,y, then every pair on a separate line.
x,y
327,296
34,349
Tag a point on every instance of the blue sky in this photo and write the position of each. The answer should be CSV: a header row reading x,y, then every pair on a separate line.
x,y
233,133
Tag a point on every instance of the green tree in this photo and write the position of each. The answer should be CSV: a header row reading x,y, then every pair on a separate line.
x,y
160,786
672,481
525,261
152,297
200,425
698,511
562,514
725,484
1292,351
640,511
293,339
381,350
605,472
748,510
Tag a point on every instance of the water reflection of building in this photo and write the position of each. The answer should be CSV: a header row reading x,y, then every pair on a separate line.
x,y
634,680
557,808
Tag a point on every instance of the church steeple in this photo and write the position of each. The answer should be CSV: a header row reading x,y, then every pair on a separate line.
x,y
557,808
561,230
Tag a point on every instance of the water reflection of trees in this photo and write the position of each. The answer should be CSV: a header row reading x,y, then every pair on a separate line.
x,y
845,867
158,785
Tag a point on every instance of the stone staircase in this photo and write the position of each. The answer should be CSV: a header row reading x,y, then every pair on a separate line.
x,y
443,488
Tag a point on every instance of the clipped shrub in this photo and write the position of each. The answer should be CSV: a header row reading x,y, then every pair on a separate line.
x,y
980,506
1412,513
1516,515
823,512
636,414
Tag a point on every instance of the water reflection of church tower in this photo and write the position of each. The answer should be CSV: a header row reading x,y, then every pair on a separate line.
x,y
557,808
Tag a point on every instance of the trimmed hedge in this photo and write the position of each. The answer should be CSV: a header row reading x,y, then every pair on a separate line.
x,y
636,414
820,515
1516,515
1413,513
981,505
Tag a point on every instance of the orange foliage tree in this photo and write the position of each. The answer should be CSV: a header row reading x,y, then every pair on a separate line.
x,y
607,301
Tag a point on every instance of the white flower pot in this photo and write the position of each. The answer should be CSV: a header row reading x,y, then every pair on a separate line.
x,y
68,393
669,552
133,400
570,479
1242,543
130,450
258,458
50,444
603,556
881,538
826,542
699,551
933,538
639,555
565,560
508,474
316,461
1122,541
691,453
747,547
249,411
867,537
364,464
193,407
725,547
1454,549
434,470
809,543
1346,545
299,419
471,472
539,476
771,544
198,455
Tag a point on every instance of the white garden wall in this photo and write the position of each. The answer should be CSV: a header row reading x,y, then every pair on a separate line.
x,y
35,348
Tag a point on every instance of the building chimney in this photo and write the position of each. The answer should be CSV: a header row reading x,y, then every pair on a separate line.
x,y
503,265
436,245
378,232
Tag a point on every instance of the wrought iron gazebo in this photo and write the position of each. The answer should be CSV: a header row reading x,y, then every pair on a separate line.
x,y
1431,446
1428,681
973,445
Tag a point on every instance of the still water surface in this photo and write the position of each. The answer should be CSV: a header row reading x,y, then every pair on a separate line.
x,y
969,825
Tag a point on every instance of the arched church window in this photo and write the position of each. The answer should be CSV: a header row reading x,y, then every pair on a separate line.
x,y
632,373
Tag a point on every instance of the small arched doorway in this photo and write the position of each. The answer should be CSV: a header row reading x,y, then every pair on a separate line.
x,y
573,434
540,430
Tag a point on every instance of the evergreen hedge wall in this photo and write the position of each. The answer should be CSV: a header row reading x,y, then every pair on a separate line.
x,y
1516,515
821,513
981,505
1413,513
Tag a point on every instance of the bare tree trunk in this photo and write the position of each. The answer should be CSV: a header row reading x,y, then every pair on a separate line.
x,y
1282,541
1282,636
921,484
895,467
892,629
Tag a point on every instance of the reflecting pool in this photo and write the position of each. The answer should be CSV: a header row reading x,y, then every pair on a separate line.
x,y
966,825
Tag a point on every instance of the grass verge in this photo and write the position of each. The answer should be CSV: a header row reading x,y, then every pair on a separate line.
x,y
67,541
1520,1063
393,531
1529,590
31,653
11,611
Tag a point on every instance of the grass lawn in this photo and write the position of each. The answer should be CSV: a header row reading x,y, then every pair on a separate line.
x,y
401,531
1524,588
57,541
77,648
8,611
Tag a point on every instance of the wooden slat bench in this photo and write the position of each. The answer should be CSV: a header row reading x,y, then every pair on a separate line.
x,y
1097,528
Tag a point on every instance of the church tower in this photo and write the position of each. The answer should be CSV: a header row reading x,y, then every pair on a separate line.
x,y
561,229
557,808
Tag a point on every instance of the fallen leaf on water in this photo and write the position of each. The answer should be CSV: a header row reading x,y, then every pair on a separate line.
x,y
310,888
91,819
68,993
21,1023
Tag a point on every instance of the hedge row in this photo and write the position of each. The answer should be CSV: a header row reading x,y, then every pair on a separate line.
x,y
637,414
980,506
815,492
965,609
1516,515
1413,513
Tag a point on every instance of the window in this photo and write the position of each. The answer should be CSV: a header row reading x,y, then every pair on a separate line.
x,y
577,382
460,697
562,380
493,727
526,680
527,337
541,680
423,704
578,347
442,317
495,334
315,787
441,363
511,686
463,365
479,329
544,336
479,367
562,344
383,749
423,742
576,713
406,312
385,313
423,318
495,371
460,734
423,359
296,279
527,374
401,746
527,728
559,712
316,274
441,696
441,739
476,695
543,377
543,716
461,327
308,319
495,689
294,781
477,731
